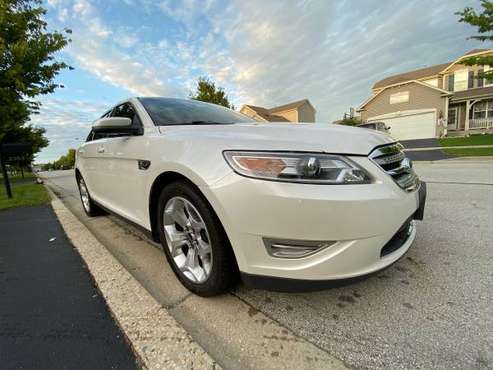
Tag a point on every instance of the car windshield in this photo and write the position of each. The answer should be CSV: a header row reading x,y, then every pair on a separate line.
x,y
169,111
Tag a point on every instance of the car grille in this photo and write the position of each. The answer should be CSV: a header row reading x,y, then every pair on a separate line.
x,y
394,162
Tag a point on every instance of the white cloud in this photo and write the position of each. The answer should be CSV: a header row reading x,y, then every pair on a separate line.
x,y
53,3
107,58
126,40
82,7
62,14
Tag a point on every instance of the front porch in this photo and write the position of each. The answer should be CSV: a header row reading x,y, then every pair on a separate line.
x,y
481,124
471,116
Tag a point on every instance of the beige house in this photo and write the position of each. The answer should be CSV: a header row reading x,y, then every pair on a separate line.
x,y
445,99
298,111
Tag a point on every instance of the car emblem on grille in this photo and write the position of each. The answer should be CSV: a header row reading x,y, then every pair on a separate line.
x,y
406,165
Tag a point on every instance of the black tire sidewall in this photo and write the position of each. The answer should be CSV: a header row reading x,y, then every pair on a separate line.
x,y
224,270
94,210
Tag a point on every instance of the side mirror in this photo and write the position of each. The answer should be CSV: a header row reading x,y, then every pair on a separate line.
x,y
116,125
112,124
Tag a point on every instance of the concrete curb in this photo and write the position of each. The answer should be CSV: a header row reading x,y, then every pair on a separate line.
x,y
158,341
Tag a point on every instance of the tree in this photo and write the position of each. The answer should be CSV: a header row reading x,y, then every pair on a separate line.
x,y
63,163
27,68
484,22
208,92
349,121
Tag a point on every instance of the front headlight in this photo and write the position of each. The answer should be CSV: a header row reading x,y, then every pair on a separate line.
x,y
297,167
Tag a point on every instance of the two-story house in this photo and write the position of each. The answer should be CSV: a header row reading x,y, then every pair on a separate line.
x,y
445,99
298,111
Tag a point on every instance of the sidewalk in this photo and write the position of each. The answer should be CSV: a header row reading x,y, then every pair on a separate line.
x,y
51,315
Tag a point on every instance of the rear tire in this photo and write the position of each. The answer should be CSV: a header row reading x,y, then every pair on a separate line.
x,y
194,241
91,208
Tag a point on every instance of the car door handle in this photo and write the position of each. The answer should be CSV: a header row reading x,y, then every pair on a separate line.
x,y
81,151
101,149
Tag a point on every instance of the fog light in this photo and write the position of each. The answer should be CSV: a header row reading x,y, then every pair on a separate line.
x,y
285,248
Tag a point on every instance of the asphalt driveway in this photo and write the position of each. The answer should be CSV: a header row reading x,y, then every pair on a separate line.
x,y
424,155
432,309
51,315
420,143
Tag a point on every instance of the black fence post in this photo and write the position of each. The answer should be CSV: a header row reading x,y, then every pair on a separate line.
x,y
5,175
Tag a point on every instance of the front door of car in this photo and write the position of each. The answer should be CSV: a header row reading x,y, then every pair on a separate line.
x,y
120,167
89,156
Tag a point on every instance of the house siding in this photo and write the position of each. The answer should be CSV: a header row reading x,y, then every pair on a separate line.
x,y
290,115
420,97
248,112
306,114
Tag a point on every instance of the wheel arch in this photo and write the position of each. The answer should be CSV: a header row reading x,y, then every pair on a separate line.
x,y
158,184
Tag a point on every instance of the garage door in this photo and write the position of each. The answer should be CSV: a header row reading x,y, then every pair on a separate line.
x,y
410,126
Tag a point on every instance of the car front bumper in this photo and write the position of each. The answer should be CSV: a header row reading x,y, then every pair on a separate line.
x,y
358,221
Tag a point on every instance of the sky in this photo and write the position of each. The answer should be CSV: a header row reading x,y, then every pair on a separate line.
x,y
262,52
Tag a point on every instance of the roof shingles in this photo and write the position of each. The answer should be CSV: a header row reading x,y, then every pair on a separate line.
x,y
420,73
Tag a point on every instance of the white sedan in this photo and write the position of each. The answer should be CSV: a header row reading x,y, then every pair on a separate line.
x,y
285,206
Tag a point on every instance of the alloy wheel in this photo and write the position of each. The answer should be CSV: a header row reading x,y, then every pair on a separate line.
x,y
187,239
84,195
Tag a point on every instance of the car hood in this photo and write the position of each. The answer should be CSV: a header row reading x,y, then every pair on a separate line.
x,y
313,137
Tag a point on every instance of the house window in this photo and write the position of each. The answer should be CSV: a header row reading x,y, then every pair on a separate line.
x,y
470,83
480,80
482,109
487,82
400,97
452,118
450,82
460,79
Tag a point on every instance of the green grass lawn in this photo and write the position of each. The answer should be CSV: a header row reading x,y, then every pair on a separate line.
x,y
27,176
472,152
471,140
23,194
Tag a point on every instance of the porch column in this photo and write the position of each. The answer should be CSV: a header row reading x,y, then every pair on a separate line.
x,y
445,118
466,124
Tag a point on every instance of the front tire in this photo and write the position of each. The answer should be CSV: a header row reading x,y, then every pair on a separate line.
x,y
194,241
